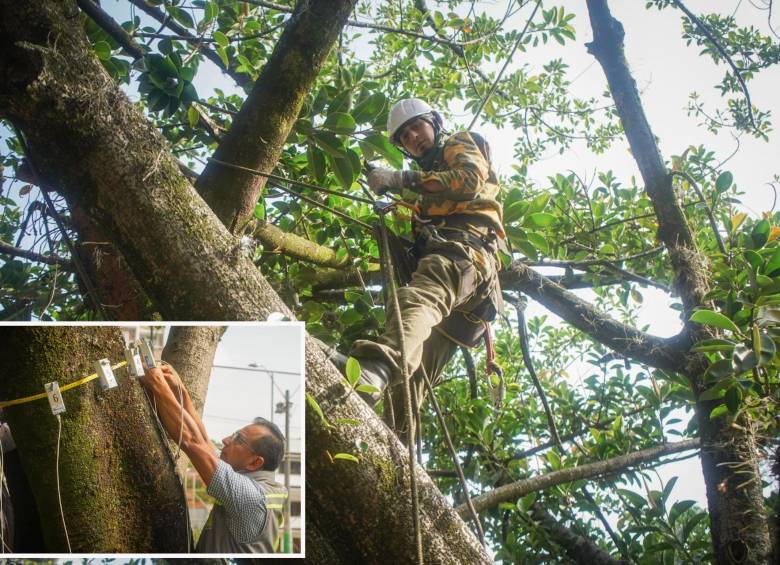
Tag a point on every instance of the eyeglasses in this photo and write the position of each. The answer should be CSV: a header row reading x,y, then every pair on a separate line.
x,y
237,437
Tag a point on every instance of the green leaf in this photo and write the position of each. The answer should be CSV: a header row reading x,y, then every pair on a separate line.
x,y
347,421
340,103
312,403
514,211
760,233
342,168
716,319
539,203
339,122
539,242
717,391
382,145
192,116
773,264
315,162
369,108
221,39
692,523
679,508
733,397
329,143
368,389
223,56
711,345
719,411
346,457
181,16
102,50
353,371
539,220
718,370
725,180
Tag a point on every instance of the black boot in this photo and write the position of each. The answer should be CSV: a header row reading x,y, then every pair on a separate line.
x,y
373,372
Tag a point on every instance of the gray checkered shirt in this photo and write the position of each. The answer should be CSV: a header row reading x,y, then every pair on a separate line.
x,y
239,522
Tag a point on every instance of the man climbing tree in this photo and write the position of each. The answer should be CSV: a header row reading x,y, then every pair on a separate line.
x,y
453,293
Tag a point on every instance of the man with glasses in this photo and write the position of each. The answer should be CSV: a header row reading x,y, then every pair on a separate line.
x,y
247,516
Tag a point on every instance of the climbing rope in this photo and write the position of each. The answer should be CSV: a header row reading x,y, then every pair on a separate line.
x,y
453,455
388,273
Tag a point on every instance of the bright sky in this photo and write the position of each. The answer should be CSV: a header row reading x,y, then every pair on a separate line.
x,y
235,396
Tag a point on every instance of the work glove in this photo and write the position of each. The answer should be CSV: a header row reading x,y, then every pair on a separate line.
x,y
382,180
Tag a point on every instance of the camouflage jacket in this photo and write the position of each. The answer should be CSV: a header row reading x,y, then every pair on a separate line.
x,y
471,185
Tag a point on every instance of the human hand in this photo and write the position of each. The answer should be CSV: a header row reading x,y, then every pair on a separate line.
x,y
172,376
152,376
381,180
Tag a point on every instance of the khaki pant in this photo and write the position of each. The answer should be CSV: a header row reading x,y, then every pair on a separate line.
x,y
451,276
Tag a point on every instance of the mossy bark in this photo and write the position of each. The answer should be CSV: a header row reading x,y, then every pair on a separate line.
x,y
118,487
257,135
376,489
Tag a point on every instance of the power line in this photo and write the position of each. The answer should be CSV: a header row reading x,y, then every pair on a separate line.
x,y
257,370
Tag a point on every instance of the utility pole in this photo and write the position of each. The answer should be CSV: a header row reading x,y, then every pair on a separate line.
x,y
285,407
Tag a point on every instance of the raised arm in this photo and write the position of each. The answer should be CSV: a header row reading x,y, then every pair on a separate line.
x,y
180,423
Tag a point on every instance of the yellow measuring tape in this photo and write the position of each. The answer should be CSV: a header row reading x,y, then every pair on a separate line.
x,y
68,386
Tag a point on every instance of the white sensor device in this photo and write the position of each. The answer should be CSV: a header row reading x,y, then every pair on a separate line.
x,y
55,398
146,353
105,374
133,359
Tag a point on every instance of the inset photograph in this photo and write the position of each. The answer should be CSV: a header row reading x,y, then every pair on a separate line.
x,y
152,439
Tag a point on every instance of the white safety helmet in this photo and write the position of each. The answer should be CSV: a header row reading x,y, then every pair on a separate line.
x,y
405,111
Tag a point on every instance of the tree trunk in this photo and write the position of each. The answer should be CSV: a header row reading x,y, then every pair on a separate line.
x,y
191,350
739,525
117,290
119,491
260,130
83,131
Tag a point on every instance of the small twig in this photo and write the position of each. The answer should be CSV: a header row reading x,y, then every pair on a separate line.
x,y
710,215
529,365
503,68
706,31
453,454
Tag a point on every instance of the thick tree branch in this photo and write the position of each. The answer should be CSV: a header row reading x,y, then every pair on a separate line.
x,y
297,246
259,131
195,270
579,548
673,229
617,464
662,353
109,25
739,528
8,249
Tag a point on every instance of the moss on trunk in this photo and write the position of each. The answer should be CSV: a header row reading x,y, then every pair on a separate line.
x,y
119,491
